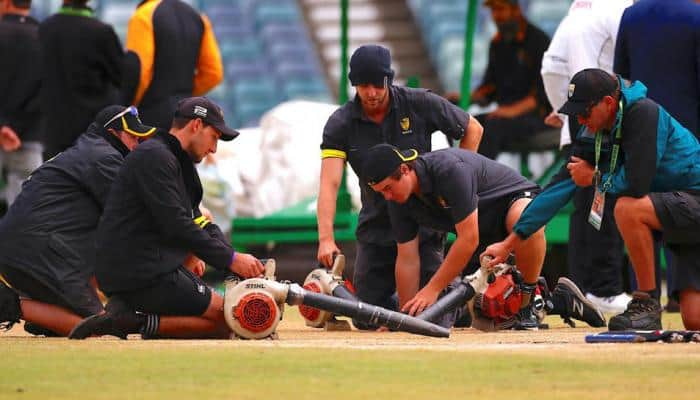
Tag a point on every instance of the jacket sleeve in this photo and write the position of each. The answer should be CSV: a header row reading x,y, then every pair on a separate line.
x,y
546,205
141,41
159,190
210,69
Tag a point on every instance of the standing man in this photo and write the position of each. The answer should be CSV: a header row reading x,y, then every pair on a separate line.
x,y
586,38
478,199
512,80
655,173
172,54
151,223
83,70
381,113
20,136
47,249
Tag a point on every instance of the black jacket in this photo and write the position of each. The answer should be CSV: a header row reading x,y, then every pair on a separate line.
x,y
152,219
48,232
20,80
84,60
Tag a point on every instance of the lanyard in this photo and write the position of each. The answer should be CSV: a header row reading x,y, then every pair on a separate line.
x,y
613,154
80,12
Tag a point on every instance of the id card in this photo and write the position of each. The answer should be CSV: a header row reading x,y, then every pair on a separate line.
x,y
595,218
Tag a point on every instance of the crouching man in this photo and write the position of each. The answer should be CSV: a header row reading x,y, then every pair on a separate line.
x,y
454,190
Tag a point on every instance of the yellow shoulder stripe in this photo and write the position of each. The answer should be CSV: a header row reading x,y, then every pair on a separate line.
x,y
331,153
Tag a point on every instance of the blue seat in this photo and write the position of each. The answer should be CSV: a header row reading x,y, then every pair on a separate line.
x,y
313,89
261,89
276,12
289,70
246,69
248,49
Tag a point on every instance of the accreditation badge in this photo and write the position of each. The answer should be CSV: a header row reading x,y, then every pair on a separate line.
x,y
595,218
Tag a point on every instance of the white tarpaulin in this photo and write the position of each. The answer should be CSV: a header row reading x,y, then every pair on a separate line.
x,y
274,166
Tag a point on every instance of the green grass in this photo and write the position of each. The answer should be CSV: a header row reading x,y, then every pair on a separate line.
x,y
103,369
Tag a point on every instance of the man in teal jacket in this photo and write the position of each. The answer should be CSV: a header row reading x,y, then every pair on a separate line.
x,y
655,172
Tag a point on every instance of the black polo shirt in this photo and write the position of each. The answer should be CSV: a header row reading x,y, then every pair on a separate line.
x,y
453,183
414,114
513,70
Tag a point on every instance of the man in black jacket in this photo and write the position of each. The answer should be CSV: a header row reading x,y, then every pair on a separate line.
x,y
151,223
47,250
20,80
84,73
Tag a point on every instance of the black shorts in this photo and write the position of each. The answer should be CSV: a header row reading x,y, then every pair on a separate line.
x,y
679,214
492,224
180,293
77,296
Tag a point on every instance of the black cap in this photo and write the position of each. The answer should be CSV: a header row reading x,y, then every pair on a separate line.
x,y
209,112
371,64
588,87
125,119
382,160
489,3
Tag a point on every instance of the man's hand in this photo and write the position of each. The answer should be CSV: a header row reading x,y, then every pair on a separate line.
x,y
9,141
327,249
581,171
422,300
246,266
498,251
206,212
194,264
553,120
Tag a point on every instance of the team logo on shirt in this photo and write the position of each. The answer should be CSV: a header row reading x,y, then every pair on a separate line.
x,y
572,87
442,202
405,126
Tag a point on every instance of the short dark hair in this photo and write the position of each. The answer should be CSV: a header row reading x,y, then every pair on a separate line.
x,y
22,3
396,175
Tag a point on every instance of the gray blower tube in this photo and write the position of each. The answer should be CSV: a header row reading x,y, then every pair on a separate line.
x,y
342,292
363,312
457,297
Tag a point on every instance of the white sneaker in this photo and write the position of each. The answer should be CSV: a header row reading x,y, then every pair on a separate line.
x,y
613,304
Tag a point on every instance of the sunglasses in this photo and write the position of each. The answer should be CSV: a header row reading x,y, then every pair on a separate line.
x,y
129,110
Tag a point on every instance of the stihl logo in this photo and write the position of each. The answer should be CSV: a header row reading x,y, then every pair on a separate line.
x,y
255,286
577,307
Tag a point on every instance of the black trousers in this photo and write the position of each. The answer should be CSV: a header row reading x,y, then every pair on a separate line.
x,y
499,132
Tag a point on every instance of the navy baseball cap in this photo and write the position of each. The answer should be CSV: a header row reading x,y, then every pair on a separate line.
x,y
587,87
207,111
382,160
489,3
125,119
371,64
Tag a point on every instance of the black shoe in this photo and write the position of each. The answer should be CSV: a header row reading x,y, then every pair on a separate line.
x,y
642,313
464,318
117,320
672,306
10,311
38,330
574,304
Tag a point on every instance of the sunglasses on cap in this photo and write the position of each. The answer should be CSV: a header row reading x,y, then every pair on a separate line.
x,y
129,110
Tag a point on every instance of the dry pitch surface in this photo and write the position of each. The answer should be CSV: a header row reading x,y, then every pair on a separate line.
x,y
307,363
294,334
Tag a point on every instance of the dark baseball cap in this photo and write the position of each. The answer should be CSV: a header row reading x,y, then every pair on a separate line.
x,y
382,160
587,87
208,112
371,64
489,3
125,119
